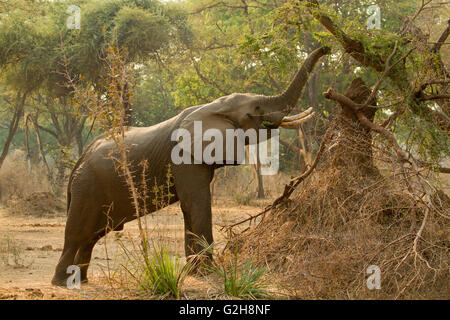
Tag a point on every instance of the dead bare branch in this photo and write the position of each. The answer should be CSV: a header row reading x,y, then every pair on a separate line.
x,y
437,46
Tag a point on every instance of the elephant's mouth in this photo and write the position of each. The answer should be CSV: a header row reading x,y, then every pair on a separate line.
x,y
266,124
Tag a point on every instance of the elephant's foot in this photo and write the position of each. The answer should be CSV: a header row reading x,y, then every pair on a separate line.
x,y
59,281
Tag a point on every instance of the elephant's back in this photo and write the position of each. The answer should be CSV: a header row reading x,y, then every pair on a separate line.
x,y
152,144
142,143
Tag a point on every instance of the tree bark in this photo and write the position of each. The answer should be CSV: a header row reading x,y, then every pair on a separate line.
x,y
14,124
259,176
354,146
34,120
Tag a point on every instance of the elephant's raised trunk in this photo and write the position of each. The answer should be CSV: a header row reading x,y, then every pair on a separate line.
x,y
289,97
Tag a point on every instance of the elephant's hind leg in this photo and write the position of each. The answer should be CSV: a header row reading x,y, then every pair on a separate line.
x,y
67,257
84,254
79,231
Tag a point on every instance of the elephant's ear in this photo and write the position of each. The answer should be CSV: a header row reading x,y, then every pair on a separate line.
x,y
207,127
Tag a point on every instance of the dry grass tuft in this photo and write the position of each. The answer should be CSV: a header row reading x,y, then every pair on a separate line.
x,y
12,252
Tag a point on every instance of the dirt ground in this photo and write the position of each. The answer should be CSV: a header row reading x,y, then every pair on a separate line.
x,y
34,245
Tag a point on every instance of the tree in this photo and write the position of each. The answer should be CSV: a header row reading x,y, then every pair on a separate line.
x,y
17,108
37,48
370,196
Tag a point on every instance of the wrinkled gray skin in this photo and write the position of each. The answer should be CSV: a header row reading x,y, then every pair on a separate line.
x,y
95,184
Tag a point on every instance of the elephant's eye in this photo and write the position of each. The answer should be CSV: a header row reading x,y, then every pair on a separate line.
x,y
257,108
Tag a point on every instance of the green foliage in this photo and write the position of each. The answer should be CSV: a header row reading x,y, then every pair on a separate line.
x,y
428,143
153,102
30,45
242,281
164,274
192,52
140,31
243,199
38,53
62,155
156,271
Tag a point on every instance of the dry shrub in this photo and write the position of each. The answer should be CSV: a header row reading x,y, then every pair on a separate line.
x,y
26,191
17,181
240,181
12,252
37,204
347,216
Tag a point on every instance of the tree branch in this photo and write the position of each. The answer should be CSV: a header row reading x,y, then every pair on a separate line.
x,y
47,130
331,94
434,97
290,146
351,46
437,46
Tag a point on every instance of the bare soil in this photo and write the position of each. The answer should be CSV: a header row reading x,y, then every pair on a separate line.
x,y
32,246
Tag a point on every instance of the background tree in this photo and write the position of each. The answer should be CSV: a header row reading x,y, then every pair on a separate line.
x,y
36,54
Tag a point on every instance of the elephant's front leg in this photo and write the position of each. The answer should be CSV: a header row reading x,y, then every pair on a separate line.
x,y
192,184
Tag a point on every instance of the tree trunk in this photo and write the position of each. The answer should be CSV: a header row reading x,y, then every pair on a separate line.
x,y
14,124
79,140
27,143
40,146
259,176
354,146
257,171
306,148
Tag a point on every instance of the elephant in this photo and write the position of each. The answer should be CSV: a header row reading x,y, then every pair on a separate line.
x,y
95,185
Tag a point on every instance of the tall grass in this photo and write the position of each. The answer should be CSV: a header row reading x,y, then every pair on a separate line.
x,y
239,280
156,271
242,281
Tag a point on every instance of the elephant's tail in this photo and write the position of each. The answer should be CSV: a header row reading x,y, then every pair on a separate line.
x,y
69,185
69,197
75,169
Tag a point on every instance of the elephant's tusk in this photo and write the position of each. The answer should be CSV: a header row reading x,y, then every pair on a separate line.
x,y
298,116
296,123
